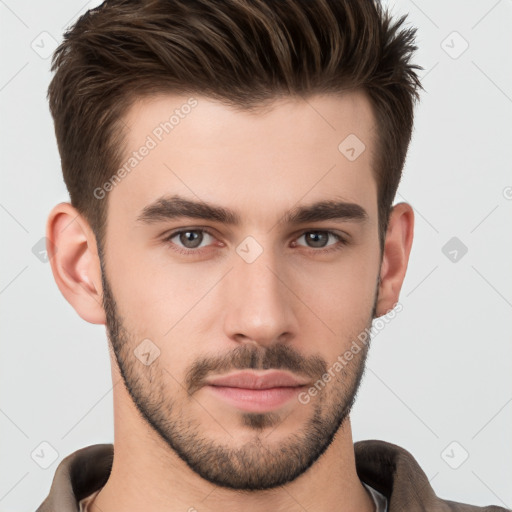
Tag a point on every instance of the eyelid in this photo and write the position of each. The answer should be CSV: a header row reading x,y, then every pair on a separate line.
x,y
167,238
337,236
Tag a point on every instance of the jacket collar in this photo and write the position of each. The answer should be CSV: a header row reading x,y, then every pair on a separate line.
x,y
386,467
395,473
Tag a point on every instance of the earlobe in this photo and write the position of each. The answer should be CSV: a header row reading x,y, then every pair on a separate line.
x,y
397,248
74,260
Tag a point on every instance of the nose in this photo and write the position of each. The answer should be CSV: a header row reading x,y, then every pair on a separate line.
x,y
259,302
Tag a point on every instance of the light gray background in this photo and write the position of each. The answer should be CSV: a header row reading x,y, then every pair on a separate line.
x,y
439,373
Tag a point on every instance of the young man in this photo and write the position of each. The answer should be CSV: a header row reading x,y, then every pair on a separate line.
x,y
232,167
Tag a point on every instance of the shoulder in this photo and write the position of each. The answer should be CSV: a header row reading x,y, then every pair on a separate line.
x,y
394,472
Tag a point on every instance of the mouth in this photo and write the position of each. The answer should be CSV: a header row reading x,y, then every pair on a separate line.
x,y
256,391
256,400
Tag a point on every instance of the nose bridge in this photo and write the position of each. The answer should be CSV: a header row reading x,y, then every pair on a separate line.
x,y
260,308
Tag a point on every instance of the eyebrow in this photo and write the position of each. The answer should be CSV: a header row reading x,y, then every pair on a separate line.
x,y
174,207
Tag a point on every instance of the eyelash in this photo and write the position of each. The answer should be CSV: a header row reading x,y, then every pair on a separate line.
x,y
335,247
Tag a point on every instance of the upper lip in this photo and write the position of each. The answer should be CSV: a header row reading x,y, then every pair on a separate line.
x,y
257,380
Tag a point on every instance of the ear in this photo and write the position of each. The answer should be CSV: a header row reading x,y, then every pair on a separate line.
x,y
395,257
73,256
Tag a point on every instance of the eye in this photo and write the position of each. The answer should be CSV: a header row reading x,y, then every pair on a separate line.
x,y
318,240
190,239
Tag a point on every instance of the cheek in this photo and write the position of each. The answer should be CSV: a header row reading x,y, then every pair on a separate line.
x,y
345,282
153,292
163,302
337,298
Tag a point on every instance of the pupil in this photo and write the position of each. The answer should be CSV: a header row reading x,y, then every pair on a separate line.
x,y
191,239
315,237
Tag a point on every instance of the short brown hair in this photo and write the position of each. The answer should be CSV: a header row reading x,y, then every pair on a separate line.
x,y
240,52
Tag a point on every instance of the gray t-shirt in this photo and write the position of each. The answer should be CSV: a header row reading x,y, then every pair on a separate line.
x,y
381,502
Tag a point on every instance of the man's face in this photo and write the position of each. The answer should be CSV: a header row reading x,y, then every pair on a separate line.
x,y
264,293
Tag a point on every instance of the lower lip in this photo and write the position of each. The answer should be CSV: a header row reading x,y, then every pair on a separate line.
x,y
256,400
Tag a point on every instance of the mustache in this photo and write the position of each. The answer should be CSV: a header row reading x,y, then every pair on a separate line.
x,y
249,357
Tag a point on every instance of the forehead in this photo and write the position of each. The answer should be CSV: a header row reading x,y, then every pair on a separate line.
x,y
263,162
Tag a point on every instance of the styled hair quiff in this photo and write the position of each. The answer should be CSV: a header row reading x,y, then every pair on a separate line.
x,y
244,53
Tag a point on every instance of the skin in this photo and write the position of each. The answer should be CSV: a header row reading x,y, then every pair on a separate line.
x,y
293,307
